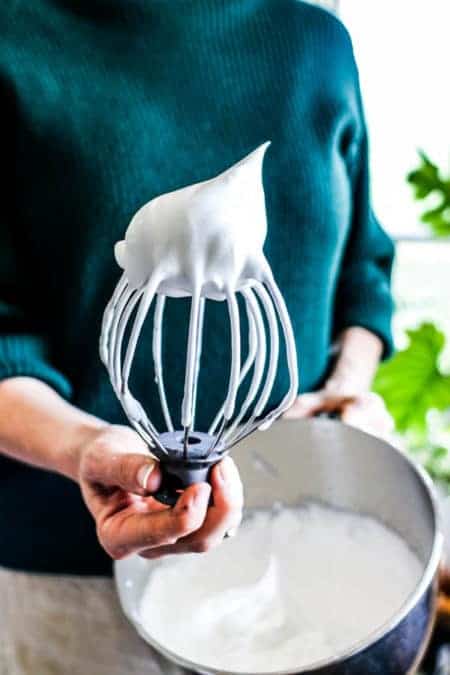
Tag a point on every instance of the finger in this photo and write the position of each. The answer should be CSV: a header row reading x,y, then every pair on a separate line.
x,y
345,385
304,406
334,403
224,514
129,471
227,488
310,404
368,404
195,545
226,510
369,413
131,532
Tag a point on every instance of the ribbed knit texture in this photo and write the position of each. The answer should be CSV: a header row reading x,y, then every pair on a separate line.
x,y
108,103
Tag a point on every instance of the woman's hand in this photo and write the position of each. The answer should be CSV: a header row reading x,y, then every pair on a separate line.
x,y
117,477
347,391
365,411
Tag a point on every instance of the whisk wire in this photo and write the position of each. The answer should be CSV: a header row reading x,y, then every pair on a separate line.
x,y
187,407
291,355
141,314
233,310
157,358
262,300
112,339
201,318
108,317
252,351
260,359
119,337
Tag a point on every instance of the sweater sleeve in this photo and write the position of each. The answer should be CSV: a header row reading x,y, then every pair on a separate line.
x,y
363,293
24,348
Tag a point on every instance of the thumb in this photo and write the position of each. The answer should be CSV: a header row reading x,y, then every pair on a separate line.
x,y
131,472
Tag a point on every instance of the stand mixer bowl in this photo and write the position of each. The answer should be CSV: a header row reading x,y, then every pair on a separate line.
x,y
328,462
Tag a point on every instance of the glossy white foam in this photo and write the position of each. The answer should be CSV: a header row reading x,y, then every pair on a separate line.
x,y
206,237
291,589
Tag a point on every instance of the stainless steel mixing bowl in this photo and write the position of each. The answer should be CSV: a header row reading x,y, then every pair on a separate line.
x,y
327,461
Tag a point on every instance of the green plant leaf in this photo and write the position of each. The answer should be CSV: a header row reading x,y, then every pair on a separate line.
x,y
436,461
438,219
425,180
411,382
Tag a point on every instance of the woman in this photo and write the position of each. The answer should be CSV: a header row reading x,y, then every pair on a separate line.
x,y
108,103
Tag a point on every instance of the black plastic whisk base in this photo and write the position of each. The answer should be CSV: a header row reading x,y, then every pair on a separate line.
x,y
182,466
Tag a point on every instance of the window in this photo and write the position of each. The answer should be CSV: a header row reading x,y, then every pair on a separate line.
x,y
402,53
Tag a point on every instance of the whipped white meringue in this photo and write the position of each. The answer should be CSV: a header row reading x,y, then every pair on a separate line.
x,y
293,588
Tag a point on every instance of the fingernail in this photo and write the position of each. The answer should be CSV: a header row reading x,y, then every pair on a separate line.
x,y
144,474
202,495
225,470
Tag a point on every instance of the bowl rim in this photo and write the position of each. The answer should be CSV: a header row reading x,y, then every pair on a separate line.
x,y
426,581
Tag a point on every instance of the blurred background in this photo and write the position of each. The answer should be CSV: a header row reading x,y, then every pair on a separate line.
x,y
402,52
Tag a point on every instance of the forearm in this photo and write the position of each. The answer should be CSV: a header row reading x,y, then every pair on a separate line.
x,y
39,427
359,352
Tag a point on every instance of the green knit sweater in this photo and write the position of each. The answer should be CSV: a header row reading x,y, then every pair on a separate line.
x,y
107,103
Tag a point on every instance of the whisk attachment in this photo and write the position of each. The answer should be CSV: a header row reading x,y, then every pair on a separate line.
x,y
205,242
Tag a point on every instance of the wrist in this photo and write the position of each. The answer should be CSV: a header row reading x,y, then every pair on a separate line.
x,y
77,440
359,352
348,379
39,427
